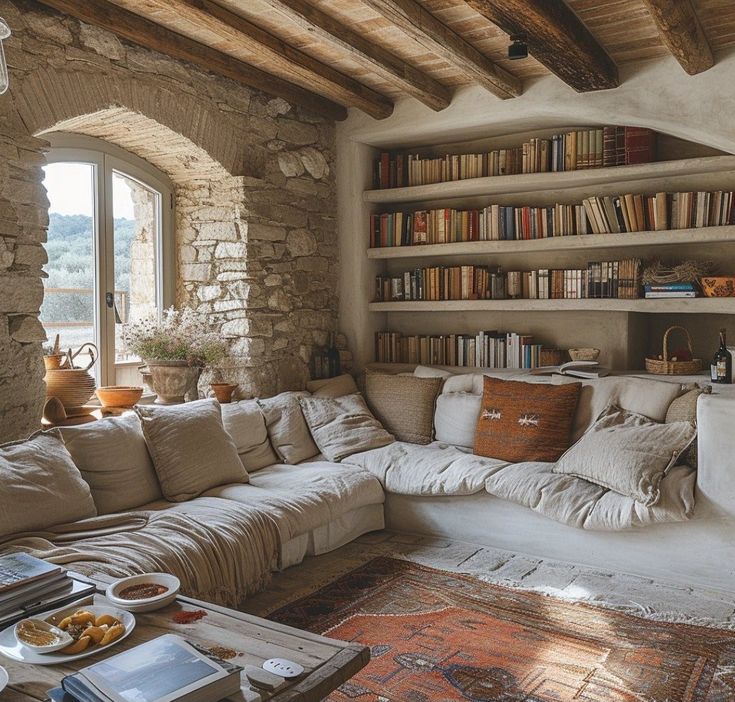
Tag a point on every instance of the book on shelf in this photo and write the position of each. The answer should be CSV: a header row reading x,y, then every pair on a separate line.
x,y
575,369
612,214
670,290
597,147
486,349
165,669
601,279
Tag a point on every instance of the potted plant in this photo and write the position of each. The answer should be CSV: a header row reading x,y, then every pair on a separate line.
x,y
175,348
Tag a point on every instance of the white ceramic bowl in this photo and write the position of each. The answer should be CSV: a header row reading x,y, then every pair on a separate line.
x,y
147,604
64,638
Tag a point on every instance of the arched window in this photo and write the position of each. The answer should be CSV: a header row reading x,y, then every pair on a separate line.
x,y
110,248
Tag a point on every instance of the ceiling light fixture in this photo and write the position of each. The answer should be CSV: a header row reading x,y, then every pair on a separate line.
x,y
4,34
518,49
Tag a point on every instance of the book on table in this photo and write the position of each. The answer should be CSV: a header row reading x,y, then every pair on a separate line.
x,y
575,369
165,669
20,569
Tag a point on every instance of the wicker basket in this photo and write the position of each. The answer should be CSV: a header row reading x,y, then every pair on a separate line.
x,y
667,367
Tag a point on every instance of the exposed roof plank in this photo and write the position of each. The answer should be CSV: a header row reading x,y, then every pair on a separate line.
x,y
437,38
682,33
233,33
143,32
383,62
557,38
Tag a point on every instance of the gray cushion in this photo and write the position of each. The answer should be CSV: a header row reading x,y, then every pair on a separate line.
x,y
190,448
287,428
245,423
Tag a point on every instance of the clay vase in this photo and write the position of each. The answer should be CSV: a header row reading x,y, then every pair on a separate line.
x,y
72,386
171,380
223,392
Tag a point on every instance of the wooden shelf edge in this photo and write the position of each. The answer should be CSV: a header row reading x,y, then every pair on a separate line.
x,y
580,242
697,305
558,180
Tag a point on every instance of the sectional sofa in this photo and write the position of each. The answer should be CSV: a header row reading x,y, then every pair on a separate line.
x,y
223,495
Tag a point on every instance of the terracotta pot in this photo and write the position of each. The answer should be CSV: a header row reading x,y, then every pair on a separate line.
x,y
53,361
223,392
122,396
172,380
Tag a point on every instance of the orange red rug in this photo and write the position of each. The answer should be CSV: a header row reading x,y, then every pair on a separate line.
x,y
437,636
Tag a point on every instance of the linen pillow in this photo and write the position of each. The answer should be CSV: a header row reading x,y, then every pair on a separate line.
x,y
245,423
684,409
343,426
190,448
404,404
525,421
287,427
628,453
40,486
333,387
113,459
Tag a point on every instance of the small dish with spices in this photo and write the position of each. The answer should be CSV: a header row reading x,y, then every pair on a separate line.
x,y
143,593
40,636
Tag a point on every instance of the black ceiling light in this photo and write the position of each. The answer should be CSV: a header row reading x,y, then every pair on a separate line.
x,y
518,49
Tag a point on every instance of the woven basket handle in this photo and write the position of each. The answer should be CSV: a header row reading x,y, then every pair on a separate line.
x,y
666,341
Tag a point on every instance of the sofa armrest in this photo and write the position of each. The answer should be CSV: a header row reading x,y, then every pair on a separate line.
x,y
716,448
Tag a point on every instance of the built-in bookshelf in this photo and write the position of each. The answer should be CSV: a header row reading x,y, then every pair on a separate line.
x,y
625,329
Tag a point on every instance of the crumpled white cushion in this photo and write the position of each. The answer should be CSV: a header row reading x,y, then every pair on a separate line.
x,y
455,418
245,423
436,469
287,428
582,504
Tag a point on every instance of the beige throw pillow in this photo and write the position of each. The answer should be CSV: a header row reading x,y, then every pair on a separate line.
x,y
627,453
190,448
404,404
684,409
114,460
245,423
287,428
40,486
343,426
333,387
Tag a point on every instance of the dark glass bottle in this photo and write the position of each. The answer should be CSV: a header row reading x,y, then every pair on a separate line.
x,y
333,356
721,367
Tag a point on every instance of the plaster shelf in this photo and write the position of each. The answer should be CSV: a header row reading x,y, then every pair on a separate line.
x,y
556,181
705,235
697,305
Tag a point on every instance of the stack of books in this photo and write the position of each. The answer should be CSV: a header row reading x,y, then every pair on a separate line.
x,y
30,585
661,291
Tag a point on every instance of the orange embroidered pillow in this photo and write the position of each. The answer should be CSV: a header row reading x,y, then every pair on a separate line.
x,y
525,421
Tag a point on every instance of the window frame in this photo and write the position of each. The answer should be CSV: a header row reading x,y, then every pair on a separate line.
x,y
106,158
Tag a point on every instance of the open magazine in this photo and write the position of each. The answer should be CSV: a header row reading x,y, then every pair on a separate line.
x,y
576,369
165,669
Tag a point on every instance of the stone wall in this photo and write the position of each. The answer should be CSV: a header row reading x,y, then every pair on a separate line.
x,y
255,198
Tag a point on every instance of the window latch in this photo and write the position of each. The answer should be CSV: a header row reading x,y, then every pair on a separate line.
x,y
110,299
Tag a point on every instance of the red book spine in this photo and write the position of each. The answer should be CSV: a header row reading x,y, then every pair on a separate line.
x,y
384,170
640,145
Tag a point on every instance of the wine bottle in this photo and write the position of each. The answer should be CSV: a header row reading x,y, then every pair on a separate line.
x,y
721,367
333,355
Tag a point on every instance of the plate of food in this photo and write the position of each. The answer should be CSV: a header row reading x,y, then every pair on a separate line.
x,y
85,629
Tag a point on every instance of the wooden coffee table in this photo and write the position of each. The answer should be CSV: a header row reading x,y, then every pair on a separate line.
x,y
327,662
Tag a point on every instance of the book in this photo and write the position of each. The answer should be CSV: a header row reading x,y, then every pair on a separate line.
x,y
165,669
576,369
20,569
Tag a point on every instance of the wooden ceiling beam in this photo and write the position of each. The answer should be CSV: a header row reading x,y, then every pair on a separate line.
x,y
150,35
557,38
436,37
682,33
388,66
287,62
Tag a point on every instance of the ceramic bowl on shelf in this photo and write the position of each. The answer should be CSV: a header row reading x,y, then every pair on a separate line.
x,y
143,593
584,354
121,396
40,636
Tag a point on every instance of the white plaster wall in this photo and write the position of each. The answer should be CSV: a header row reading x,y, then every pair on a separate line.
x,y
657,94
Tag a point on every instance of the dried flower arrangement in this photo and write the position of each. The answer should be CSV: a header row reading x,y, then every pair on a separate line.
x,y
179,335
658,273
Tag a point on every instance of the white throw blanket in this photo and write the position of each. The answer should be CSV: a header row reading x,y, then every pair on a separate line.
x,y
221,551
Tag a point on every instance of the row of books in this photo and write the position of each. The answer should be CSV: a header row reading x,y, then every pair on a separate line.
x,y
486,349
601,279
662,291
569,151
595,215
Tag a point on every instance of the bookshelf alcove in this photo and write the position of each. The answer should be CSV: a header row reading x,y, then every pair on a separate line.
x,y
625,330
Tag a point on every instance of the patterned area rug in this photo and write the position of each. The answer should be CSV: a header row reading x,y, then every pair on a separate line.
x,y
437,636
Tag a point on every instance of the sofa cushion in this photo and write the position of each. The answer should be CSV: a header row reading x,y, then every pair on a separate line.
x,y
245,423
648,397
684,409
40,486
628,453
307,496
434,470
190,448
525,421
343,426
287,428
333,387
455,418
114,461
404,404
